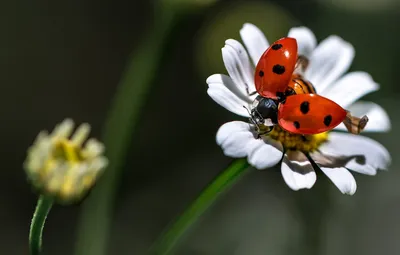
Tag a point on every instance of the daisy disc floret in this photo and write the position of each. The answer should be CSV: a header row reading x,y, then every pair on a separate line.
x,y
334,153
65,164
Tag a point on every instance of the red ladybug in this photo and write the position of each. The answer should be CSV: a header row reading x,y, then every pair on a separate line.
x,y
285,98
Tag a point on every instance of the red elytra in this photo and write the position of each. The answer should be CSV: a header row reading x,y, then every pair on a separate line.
x,y
300,113
309,114
275,68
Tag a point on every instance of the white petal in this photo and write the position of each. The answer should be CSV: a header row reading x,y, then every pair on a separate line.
x,y
350,87
237,140
297,171
264,153
254,40
223,91
378,118
364,155
238,66
342,179
306,40
227,99
329,60
234,138
230,84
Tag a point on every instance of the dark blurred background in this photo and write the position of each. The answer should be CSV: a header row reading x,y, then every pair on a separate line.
x,y
65,59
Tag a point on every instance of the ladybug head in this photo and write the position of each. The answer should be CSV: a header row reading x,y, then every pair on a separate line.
x,y
264,112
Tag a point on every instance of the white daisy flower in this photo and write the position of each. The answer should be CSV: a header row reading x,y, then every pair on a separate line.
x,y
60,165
335,153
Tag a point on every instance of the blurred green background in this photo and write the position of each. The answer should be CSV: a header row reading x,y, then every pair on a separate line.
x,y
65,59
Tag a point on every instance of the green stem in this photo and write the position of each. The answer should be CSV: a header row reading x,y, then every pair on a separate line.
x,y
165,244
95,219
43,207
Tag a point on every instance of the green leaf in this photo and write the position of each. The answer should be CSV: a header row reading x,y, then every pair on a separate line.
x,y
95,220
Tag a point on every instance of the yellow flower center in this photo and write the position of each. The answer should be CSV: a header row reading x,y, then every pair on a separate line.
x,y
71,153
304,143
68,151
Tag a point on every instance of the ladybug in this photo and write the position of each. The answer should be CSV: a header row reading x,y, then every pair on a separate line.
x,y
287,99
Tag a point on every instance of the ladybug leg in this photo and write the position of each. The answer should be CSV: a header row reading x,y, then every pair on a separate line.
x,y
354,124
257,120
253,119
304,138
259,128
254,122
264,131
252,93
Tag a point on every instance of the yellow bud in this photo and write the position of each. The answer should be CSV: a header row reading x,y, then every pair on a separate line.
x,y
60,166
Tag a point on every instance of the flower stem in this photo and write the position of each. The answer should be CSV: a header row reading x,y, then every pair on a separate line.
x,y
43,207
96,216
165,244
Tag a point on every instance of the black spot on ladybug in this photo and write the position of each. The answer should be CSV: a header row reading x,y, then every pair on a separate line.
x,y
278,69
261,73
305,107
276,46
328,120
296,124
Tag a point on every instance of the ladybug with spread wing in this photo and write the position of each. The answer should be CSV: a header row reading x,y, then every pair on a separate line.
x,y
287,99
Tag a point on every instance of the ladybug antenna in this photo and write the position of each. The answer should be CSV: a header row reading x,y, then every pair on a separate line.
x,y
247,109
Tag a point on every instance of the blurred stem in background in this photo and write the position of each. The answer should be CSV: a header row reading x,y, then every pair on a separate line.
x,y
313,211
43,208
167,242
97,212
